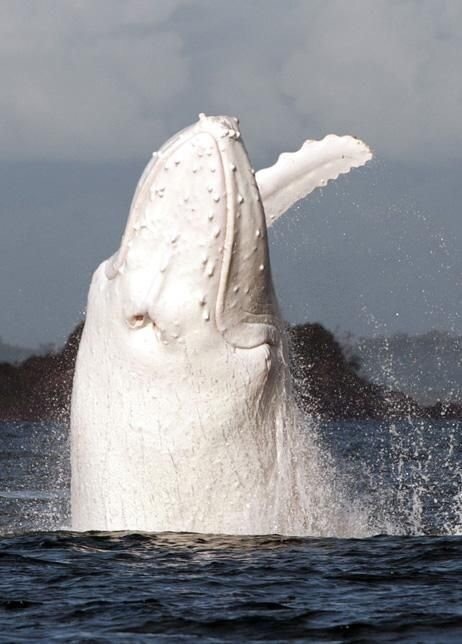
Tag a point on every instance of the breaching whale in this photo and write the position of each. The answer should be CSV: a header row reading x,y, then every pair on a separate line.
x,y
182,414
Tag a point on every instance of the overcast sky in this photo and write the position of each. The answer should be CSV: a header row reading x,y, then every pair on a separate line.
x,y
90,88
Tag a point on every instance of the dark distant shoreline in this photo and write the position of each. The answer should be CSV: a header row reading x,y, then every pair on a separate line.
x,y
331,385
328,384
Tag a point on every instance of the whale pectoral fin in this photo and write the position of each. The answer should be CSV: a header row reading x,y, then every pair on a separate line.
x,y
296,174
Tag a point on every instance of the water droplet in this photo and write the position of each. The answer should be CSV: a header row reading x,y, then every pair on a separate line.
x,y
235,289
209,188
216,232
216,198
206,316
203,300
233,167
258,232
174,239
261,268
205,259
240,199
213,169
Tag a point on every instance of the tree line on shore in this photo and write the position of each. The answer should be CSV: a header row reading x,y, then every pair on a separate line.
x,y
327,384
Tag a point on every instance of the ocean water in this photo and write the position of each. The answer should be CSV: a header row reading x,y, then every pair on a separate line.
x,y
402,583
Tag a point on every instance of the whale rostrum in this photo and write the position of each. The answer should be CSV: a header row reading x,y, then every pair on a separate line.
x,y
182,414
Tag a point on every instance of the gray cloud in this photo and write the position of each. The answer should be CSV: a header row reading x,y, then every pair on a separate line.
x,y
107,80
85,80
89,89
388,70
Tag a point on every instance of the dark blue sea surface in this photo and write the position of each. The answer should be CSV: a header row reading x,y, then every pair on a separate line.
x,y
404,586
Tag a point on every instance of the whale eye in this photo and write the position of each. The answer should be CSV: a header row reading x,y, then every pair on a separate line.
x,y
137,321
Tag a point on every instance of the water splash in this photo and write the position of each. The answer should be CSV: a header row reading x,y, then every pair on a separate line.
x,y
351,479
34,476
408,473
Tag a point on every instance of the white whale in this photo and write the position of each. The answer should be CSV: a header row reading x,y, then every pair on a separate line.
x,y
182,414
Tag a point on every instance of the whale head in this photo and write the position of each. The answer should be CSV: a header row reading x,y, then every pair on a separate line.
x,y
193,262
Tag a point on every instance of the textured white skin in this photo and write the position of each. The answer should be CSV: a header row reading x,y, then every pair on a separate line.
x,y
182,416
